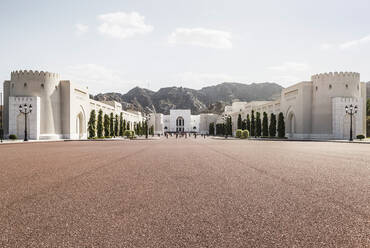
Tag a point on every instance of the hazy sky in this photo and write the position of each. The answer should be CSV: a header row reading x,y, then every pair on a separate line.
x,y
116,45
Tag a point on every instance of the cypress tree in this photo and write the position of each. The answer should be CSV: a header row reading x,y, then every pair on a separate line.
x,y
239,121
229,126
244,124
145,129
258,124
272,127
100,124
220,129
265,129
140,128
111,126
92,124
248,123
253,125
281,126
211,130
121,125
116,127
128,125
135,128
106,125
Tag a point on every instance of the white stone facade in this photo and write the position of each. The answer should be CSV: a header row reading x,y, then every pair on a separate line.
x,y
61,109
17,119
341,120
314,109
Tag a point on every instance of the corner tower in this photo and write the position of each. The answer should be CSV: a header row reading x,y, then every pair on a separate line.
x,y
45,86
327,86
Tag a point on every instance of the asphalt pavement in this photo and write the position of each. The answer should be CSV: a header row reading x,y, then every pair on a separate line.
x,y
185,193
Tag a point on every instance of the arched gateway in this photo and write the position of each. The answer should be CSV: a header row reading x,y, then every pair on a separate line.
x,y
291,124
80,124
180,124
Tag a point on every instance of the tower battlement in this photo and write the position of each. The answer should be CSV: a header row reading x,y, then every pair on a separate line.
x,y
333,75
34,75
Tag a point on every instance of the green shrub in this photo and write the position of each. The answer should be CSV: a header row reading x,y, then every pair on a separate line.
x,y
360,137
238,133
13,137
129,133
108,137
245,134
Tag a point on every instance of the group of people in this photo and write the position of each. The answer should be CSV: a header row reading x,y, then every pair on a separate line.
x,y
185,135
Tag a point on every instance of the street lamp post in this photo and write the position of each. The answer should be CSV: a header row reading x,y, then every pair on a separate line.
x,y
25,109
351,111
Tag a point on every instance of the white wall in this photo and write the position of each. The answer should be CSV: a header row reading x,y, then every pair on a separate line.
x,y
16,119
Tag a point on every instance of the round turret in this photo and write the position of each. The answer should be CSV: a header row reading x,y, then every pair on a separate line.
x,y
325,87
46,86
337,84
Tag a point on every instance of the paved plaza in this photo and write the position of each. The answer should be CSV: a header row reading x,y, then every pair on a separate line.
x,y
185,193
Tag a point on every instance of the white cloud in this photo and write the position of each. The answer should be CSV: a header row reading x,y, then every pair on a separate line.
x,y
98,78
346,45
326,46
123,25
81,28
290,66
355,43
201,37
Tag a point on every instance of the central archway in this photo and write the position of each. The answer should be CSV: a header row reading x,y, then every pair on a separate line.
x,y
180,124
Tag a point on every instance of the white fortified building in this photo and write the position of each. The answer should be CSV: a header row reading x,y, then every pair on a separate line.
x,y
61,109
314,109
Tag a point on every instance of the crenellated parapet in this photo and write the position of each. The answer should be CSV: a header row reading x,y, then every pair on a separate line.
x,y
34,75
336,75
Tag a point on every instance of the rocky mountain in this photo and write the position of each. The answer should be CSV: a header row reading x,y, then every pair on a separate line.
x,y
211,99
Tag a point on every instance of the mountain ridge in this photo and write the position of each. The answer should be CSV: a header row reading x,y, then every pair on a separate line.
x,y
209,99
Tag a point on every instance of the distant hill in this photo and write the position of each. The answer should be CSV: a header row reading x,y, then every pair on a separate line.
x,y
211,99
